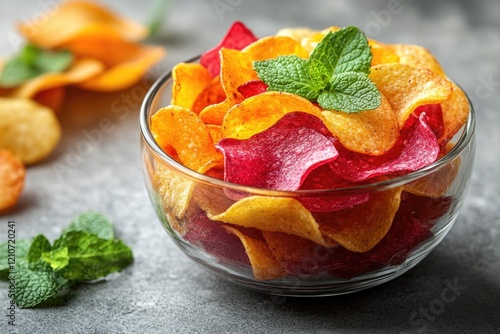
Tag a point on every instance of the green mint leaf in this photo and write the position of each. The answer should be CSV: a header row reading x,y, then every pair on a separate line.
x,y
157,16
39,245
346,50
350,92
53,61
29,54
93,223
287,74
58,258
15,72
91,257
19,249
38,284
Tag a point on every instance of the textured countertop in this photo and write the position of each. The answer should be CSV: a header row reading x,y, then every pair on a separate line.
x,y
163,291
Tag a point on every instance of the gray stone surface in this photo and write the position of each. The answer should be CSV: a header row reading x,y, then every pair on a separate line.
x,y
164,292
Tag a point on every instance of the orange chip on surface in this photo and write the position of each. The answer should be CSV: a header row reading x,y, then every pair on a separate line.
x,y
174,190
372,132
416,56
261,111
455,113
69,19
28,129
407,87
274,214
264,264
360,228
212,94
189,80
12,175
273,47
181,129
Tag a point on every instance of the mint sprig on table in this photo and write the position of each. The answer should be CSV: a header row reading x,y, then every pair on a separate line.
x,y
335,75
31,62
45,272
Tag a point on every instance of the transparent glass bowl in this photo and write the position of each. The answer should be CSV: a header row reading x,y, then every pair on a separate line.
x,y
182,197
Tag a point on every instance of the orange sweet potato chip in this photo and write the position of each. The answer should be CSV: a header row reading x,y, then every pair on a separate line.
x,y
406,87
189,80
69,19
181,129
360,228
261,111
264,264
382,54
274,214
274,46
212,94
12,175
372,132
416,56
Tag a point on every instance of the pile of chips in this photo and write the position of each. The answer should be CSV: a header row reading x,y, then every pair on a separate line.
x,y
105,55
225,123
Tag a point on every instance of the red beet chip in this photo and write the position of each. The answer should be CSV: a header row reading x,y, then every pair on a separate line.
x,y
215,240
433,116
417,147
280,157
324,178
252,88
237,37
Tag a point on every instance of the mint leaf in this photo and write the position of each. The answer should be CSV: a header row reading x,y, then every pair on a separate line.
x,y
21,248
91,257
37,284
346,50
287,74
93,223
58,258
350,92
39,245
32,62
157,16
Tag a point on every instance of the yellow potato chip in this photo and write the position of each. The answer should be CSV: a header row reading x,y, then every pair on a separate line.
x,y
29,130
273,47
406,87
212,94
360,228
274,214
372,132
189,80
174,190
12,175
211,200
455,113
383,55
296,33
182,130
310,41
416,56
264,264
69,19
259,112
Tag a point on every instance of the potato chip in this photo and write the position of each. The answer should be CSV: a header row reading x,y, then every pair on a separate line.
x,y
416,148
52,98
433,117
310,41
236,69
174,190
211,200
237,37
359,229
216,240
274,214
264,264
280,157
189,80
260,112
296,33
435,208
69,19
212,94
381,54
407,88
455,113
416,56
12,176
27,129
273,47
371,132
215,132
182,130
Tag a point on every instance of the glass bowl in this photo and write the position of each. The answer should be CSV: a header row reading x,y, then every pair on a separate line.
x,y
428,202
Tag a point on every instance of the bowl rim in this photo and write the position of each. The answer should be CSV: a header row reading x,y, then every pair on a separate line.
x,y
467,133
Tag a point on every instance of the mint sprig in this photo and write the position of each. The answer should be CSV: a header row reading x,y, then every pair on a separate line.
x,y
335,75
31,62
85,251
